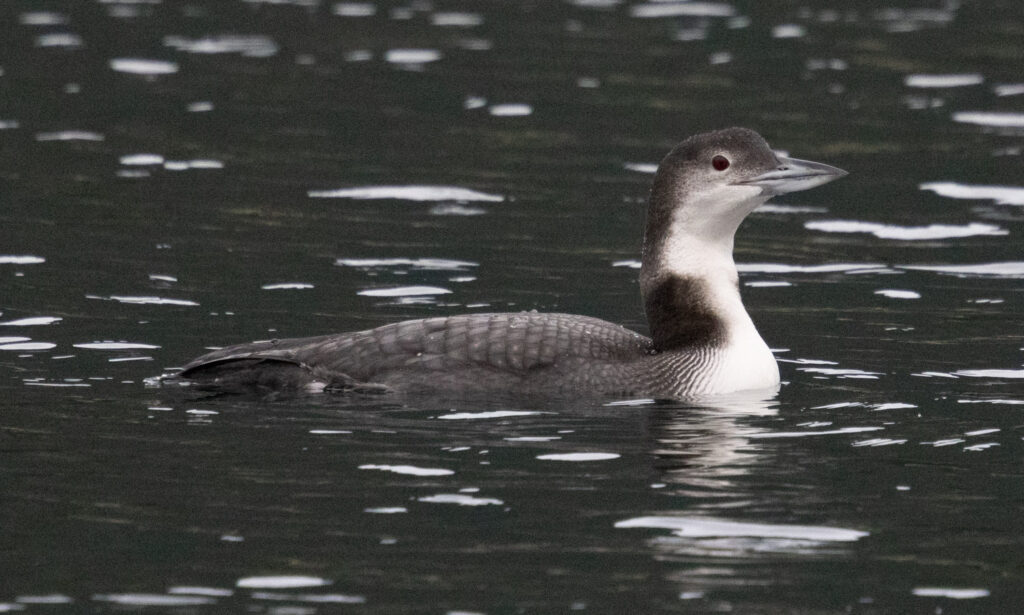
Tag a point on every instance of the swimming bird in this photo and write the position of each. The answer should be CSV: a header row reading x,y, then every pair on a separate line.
x,y
702,341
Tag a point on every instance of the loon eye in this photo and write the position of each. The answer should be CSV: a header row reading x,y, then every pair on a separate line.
x,y
720,162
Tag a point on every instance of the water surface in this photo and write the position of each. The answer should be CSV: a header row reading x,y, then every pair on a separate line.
x,y
180,176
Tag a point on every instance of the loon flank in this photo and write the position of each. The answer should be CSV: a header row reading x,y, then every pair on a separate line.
x,y
702,343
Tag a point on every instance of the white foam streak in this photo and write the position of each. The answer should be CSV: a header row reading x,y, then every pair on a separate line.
x,y
115,346
255,46
991,373
682,9
898,294
802,434
150,300
281,582
578,456
830,268
699,527
405,291
494,414
428,264
1002,195
11,259
32,321
950,592
408,470
412,56
906,233
409,193
943,81
153,600
460,499
140,66
990,118
1010,269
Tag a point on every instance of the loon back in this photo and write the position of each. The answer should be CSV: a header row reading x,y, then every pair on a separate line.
x,y
527,351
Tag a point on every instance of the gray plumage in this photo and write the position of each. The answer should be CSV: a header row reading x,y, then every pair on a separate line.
x,y
702,191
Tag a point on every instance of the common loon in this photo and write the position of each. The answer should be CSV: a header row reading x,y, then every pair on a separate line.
x,y
703,342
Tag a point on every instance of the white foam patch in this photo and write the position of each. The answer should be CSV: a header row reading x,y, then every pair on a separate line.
x,y
32,321
405,291
429,264
254,46
217,592
456,19
579,456
355,9
28,346
943,81
316,598
982,432
59,39
409,193
875,442
699,527
641,167
185,165
460,499
841,373
649,10
494,414
45,599
13,339
115,346
142,159
906,233
42,18
830,268
412,56
789,30
329,432
140,66
409,470
69,135
990,118
804,434
153,600
12,259
1002,195
510,110
990,373
644,401
287,286
1005,402
386,510
533,438
149,300
1011,269
281,582
767,284
950,592
896,405
893,293
1009,89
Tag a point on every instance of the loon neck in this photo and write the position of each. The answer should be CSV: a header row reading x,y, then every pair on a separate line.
x,y
690,289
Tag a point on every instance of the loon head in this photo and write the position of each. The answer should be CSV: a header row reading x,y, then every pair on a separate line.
x,y
710,182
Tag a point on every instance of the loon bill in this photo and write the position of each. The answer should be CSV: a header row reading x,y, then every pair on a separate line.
x,y
702,343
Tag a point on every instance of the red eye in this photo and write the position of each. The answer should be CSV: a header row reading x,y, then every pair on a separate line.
x,y
720,163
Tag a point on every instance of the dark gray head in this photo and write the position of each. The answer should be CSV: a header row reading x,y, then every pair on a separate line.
x,y
710,182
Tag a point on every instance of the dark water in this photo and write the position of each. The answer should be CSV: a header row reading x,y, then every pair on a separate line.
x,y
885,478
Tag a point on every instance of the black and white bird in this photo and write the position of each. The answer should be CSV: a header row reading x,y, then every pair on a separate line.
x,y
702,342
